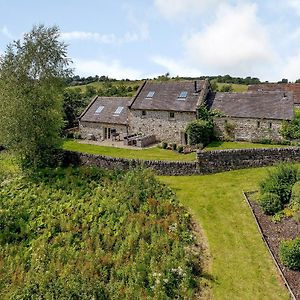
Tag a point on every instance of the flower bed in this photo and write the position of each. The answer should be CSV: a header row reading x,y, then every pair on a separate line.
x,y
274,233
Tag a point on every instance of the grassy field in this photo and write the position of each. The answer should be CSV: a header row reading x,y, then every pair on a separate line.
x,y
154,153
241,266
239,88
101,85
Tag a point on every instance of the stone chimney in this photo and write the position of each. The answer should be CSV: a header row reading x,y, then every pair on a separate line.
x,y
195,86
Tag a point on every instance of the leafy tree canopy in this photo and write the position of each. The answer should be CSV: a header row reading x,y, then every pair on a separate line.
x,y
32,79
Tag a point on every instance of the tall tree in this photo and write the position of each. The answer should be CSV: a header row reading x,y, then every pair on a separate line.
x,y
32,73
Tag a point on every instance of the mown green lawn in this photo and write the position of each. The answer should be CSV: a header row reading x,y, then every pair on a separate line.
x,y
240,263
219,145
154,153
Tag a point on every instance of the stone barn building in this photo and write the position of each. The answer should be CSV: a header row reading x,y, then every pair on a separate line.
x,y
284,87
252,116
164,109
105,118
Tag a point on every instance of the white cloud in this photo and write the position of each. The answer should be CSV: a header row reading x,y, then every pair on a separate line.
x,y
85,36
235,43
179,8
4,30
295,4
176,68
292,68
113,69
141,34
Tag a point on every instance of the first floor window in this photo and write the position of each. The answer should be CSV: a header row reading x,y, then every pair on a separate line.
x,y
171,115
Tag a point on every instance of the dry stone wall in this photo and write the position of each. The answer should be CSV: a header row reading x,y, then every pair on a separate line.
x,y
160,167
226,160
207,161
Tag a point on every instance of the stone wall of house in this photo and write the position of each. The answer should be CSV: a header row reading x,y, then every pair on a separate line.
x,y
243,129
160,124
97,129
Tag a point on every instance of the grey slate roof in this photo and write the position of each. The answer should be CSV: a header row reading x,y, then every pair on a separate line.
x,y
166,96
285,87
107,115
262,105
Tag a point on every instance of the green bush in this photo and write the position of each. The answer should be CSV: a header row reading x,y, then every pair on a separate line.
x,y
180,149
280,182
265,141
289,253
270,203
77,135
200,132
291,129
164,145
295,197
174,147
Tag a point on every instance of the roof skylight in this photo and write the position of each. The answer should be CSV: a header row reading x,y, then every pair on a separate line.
x,y
150,95
99,109
118,111
182,95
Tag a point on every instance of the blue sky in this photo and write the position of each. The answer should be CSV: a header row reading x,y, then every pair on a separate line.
x,y
142,39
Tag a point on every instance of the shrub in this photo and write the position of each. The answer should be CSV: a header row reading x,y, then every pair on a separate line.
x,y
289,253
280,182
164,145
174,147
295,197
77,135
270,203
200,132
229,128
180,149
70,135
265,141
291,130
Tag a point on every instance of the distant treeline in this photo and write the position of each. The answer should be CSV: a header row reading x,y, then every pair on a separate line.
x,y
77,80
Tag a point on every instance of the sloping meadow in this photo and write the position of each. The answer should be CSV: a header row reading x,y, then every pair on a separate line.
x,y
93,234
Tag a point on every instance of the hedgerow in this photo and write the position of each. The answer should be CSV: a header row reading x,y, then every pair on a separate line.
x,y
83,233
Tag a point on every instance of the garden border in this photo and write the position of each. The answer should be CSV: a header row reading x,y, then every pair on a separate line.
x,y
245,194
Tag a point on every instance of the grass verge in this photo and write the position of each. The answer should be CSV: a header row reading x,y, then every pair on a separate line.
x,y
241,266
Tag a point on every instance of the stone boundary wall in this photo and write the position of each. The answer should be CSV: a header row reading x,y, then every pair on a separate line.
x,y
207,161
226,160
107,162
